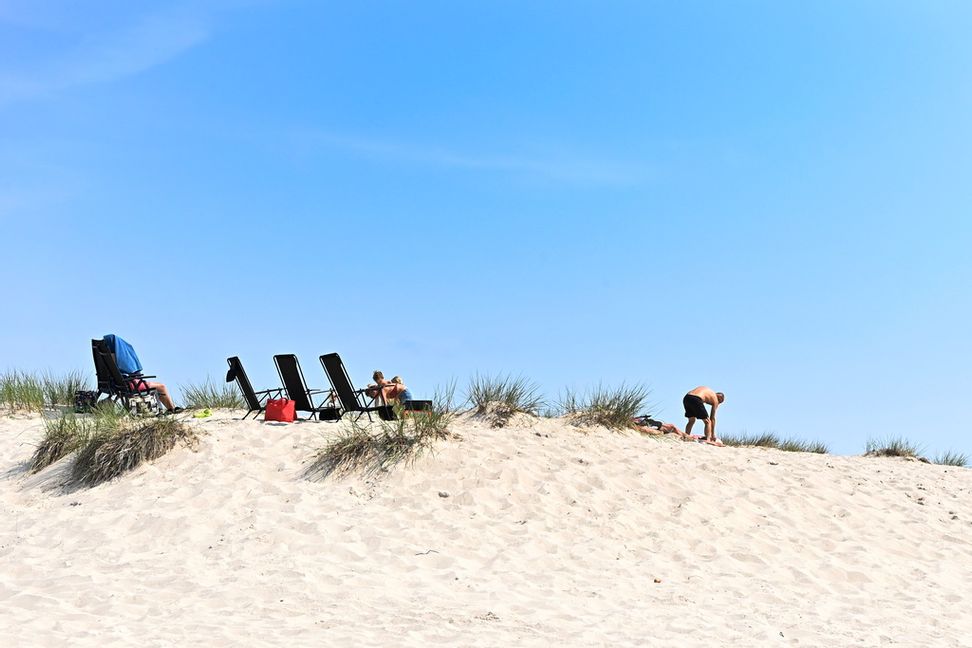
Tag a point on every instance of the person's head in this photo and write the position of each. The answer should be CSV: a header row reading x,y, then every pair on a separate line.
x,y
397,380
377,376
721,397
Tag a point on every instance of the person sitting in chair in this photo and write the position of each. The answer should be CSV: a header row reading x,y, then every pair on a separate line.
x,y
390,391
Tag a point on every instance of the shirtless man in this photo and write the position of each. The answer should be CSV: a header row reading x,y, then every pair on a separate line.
x,y
695,402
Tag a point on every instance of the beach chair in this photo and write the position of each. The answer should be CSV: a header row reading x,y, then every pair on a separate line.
x,y
352,400
131,390
256,401
293,381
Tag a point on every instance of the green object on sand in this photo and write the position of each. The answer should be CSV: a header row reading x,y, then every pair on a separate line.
x,y
204,413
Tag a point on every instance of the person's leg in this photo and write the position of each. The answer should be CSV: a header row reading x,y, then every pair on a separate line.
x,y
688,426
708,430
163,394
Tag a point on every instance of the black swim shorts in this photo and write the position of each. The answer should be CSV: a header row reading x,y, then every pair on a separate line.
x,y
695,407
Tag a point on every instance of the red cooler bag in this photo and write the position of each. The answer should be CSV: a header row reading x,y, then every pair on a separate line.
x,y
281,409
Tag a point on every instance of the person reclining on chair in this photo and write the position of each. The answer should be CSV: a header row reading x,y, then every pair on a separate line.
x,y
130,367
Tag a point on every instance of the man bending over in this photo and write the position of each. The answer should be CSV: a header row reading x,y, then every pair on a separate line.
x,y
695,402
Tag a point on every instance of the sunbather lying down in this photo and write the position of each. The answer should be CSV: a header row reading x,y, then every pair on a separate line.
x,y
648,425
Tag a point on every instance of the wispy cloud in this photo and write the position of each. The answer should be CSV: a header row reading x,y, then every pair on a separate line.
x,y
559,167
105,56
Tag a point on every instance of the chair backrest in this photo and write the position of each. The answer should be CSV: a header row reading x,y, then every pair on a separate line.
x,y
292,379
110,379
341,382
236,371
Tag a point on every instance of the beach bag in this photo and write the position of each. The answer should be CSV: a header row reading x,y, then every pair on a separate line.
x,y
280,409
144,404
84,401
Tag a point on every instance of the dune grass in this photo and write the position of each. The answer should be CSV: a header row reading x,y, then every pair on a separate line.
x,y
503,396
107,454
952,458
377,447
614,408
892,447
62,436
20,390
69,433
772,440
32,392
60,389
212,396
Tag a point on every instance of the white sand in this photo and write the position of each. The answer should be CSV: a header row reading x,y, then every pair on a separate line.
x,y
548,536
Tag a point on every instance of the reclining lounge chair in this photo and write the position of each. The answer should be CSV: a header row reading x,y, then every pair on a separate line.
x,y
256,401
352,400
128,389
293,381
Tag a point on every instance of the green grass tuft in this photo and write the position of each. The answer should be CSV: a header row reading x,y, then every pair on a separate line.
x,y
952,458
20,390
614,408
503,396
208,395
32,392
772,440
377,447
892,447
60,389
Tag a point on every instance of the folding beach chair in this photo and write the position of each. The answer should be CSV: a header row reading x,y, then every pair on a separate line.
x,y
293,381
131,390
256,401
352,400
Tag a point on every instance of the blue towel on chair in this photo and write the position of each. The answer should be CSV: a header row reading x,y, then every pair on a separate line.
x,y
125,356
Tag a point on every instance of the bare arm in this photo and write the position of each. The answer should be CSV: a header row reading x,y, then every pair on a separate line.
x,y
712,417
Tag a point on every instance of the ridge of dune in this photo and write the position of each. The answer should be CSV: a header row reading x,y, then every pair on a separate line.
x,y
534,534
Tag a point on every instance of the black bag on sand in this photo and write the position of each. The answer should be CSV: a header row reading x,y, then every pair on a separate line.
x,y
84,401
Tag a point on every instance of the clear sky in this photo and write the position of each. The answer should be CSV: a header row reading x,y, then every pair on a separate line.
x,y
770,198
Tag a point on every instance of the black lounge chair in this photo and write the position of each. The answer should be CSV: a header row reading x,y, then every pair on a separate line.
x,y
127,389
256,401
293,381
352,400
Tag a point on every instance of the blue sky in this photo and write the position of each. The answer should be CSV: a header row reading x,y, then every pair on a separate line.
x,y
769,198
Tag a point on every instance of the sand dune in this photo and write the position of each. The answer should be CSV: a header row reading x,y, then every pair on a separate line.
x,y
536,534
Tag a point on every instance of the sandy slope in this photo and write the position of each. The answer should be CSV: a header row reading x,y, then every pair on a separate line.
x,y
548,535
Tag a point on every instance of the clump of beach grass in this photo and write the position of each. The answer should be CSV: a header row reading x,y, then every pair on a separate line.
x,y
500,397
60,389
20,390
772,440
764,440
377,447
62,436
892,447
614,408
208,395
69,433
952,458
32,392
106,454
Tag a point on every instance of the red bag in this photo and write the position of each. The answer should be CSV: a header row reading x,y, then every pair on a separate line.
x,y
280,409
